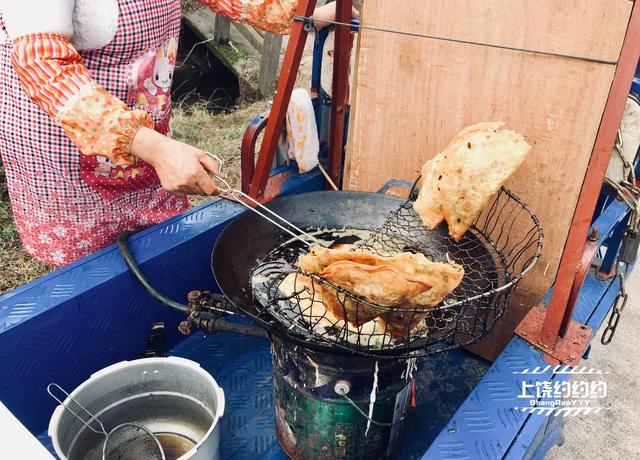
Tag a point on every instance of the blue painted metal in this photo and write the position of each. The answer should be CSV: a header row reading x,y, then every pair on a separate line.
x,y
484,425
465,406
318,58
323,107
71,323
537,448
613,246
323,100
611,225
605,292
242,366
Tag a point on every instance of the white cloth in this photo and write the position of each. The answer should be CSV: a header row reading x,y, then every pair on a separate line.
x,y
302,132
16,441
90,24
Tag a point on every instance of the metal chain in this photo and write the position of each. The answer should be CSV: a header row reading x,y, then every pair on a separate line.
x,y
628,168
630,194
618,308
627,188
629,183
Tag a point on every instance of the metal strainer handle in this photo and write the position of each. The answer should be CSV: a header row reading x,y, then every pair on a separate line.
x,y
240,197
126,428
87,422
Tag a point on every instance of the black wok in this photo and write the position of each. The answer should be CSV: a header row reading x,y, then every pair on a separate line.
x,y
249,238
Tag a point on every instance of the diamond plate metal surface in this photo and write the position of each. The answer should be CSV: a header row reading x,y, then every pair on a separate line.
x,y
464,407
479,428
596,300
242,366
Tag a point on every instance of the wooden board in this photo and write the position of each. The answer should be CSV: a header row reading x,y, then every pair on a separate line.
x,y
593,29
412,95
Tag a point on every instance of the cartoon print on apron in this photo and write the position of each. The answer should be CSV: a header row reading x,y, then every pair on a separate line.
x,y
149,77
149,80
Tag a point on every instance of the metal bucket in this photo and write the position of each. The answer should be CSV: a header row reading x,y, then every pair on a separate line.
x,y
173,397
314,419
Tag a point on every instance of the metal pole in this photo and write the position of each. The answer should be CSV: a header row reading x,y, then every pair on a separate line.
x,y
340,89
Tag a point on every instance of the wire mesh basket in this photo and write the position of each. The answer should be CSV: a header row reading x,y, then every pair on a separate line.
x,y
498,250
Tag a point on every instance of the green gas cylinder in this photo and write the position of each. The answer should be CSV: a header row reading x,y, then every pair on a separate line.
x,y
333,406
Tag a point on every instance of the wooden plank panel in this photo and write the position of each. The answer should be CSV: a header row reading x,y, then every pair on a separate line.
x,y
593,29
412,95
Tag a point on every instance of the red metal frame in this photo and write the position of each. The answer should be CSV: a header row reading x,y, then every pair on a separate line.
x,y
255,175
288,74
340,89
567,351
248,149
589,252
552,335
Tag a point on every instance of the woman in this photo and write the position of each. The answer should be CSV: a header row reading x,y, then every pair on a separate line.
x,y
84,116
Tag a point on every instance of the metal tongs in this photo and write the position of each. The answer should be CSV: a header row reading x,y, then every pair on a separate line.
x,y
239,196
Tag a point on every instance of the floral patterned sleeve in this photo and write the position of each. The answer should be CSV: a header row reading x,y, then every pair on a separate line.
x,y
270,15
53,75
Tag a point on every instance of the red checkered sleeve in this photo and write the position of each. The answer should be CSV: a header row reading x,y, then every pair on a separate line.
x,y
53,75
270,15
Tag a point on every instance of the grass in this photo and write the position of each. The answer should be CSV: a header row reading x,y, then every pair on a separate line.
x,y
218,133
18,267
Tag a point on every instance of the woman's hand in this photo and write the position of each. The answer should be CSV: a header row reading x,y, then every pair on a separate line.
x,y
182,169
324,15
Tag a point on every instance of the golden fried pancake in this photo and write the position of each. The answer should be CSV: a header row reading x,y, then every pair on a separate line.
x,y
460,181
406,280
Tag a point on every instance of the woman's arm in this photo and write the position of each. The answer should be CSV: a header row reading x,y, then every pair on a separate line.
x,y
53,75
270,15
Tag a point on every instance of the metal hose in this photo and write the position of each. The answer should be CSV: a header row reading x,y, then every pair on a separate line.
x,y
137,274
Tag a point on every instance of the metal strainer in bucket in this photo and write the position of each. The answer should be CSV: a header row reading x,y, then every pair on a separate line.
x,y
127,441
